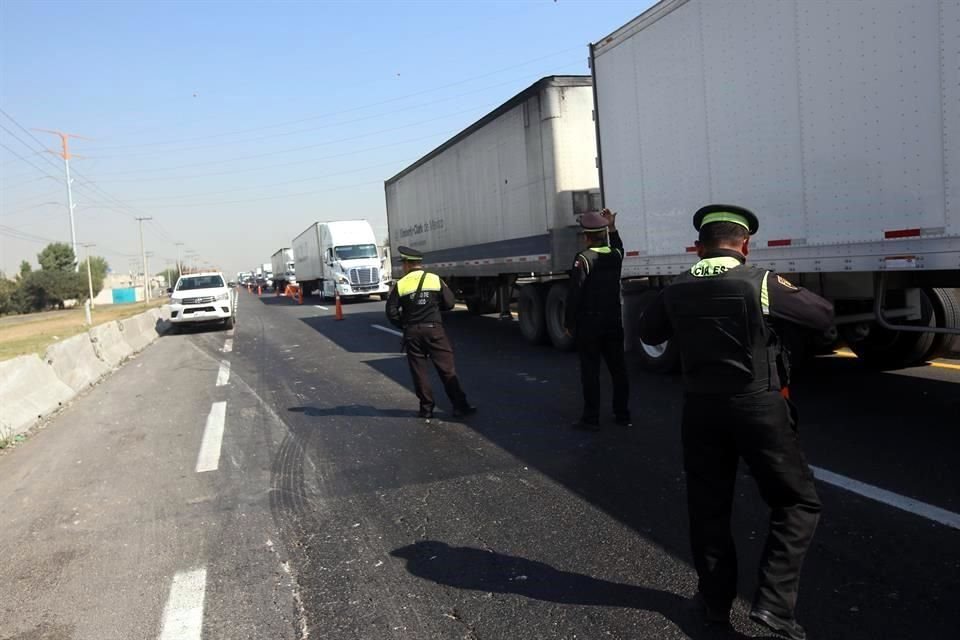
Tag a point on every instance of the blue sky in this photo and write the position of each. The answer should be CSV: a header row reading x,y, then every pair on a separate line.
x,y
237,124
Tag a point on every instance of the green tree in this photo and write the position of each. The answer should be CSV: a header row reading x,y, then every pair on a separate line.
x,y
57,256
98,272
48,289
8,290
25,268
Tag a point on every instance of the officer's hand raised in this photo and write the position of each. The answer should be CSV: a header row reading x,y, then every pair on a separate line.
x,y
610,216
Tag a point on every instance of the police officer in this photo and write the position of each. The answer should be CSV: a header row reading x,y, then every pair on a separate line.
x,y
721,315
414,305
593,316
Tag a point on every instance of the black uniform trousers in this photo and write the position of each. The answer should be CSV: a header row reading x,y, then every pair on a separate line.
x,y
595,343
429,341
761,429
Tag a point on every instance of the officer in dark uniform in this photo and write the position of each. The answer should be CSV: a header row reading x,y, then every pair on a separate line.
x,y
721,314
414,305
593,316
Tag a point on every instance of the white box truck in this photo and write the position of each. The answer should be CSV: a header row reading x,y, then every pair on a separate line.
x,y
339,257
495,207
838,123
284,269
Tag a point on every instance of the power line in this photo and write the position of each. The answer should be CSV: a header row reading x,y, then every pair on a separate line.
x,y
352,109
282,164
305,147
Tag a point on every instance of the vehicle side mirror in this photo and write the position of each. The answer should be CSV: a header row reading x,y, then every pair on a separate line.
x,y
169,289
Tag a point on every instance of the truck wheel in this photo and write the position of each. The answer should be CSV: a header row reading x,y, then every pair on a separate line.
x,y
228,323
946,309
658,358
885,349
530,307
555,310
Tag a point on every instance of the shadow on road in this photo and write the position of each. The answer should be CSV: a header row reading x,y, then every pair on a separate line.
x,y
353,410
488,571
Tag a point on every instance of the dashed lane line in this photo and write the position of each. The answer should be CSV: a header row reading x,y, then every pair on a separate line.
x,y
183,615
228,345
321,307
903,503
380,327
209,456
223,375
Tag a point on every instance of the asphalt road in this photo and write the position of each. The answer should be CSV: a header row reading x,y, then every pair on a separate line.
x,y
331,511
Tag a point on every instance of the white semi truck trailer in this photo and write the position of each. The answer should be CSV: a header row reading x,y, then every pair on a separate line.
x,y
837,122
284,268
339,257
495,207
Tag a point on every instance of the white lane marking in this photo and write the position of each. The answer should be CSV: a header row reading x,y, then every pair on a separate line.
x,y
320,307
230,332
223,375
183,615
209,457
387,330
228,345
903,503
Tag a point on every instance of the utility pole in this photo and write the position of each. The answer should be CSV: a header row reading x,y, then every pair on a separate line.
x,y
148,255
87,245
179,268
143,254
65,154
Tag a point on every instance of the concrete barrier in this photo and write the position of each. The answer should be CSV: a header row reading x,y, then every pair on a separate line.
x,y
29,391
139,331
75,362
109,344
161,317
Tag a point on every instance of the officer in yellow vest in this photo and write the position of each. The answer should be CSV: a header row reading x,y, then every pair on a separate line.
x,y
414,306
721,314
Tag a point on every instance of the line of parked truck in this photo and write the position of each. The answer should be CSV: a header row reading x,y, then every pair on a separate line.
x,y
837,122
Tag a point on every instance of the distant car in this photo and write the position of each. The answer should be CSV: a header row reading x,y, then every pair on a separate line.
x,y
202,297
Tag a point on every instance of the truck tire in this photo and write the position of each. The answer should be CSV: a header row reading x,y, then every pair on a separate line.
x,y
228,323
657,358
885,349
946,309
530,308
554,316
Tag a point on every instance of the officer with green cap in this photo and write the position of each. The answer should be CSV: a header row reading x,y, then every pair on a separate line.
x,y
413,305
721,314
593,316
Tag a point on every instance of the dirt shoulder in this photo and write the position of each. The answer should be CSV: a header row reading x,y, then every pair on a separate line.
x,y
33,333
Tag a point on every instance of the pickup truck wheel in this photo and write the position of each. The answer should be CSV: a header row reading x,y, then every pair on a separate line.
x,y
658,358
555,311
228,323
530,308
886,349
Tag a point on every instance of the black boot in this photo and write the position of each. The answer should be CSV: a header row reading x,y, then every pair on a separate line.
x,y
785,627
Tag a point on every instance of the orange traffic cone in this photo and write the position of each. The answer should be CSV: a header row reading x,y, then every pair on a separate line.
x,y
259,290
339,313
300,292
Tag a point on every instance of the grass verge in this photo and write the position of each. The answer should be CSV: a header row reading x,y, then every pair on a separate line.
x,y
23,335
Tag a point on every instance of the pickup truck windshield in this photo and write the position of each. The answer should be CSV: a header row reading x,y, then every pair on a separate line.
x,y
199,282
356,251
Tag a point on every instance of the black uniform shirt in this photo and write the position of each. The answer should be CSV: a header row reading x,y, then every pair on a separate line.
x,y
405,306
595,285
788,303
